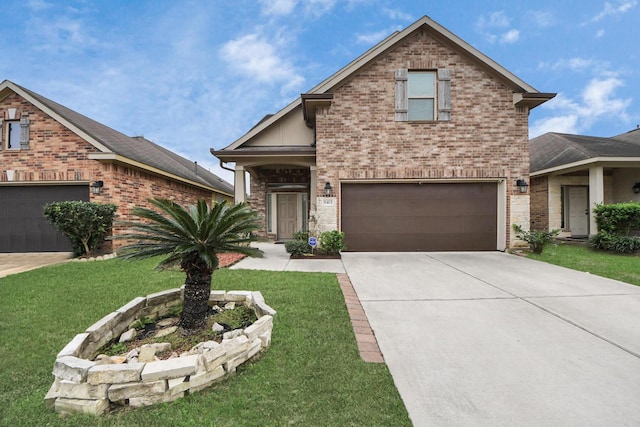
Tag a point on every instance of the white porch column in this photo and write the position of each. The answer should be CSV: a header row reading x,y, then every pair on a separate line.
x,y
596,194
313,189
239,184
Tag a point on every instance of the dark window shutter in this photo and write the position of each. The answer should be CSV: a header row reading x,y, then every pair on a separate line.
x,y
24,133
402,102
444,94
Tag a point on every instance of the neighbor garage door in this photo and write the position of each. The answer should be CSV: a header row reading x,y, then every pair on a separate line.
x,y
23,228
420,217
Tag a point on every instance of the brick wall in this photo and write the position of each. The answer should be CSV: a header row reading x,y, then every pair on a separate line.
x,y
57,154
539,203
358,137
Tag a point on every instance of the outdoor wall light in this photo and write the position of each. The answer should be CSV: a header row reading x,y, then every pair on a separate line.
x,y
522,185
96,187
328,189
636,187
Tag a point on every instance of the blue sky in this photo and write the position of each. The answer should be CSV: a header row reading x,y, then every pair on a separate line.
x,y
194,75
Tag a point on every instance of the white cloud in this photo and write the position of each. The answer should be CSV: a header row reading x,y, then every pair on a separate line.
x,y
317,8
397,14
560,124
618,9
258,59
510,36
278,7
600,34
492,27
574,64
38,5
60,34
372,38
598,101
493,20
541,18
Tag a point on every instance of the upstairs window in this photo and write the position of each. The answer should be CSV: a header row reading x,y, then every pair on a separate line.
x,y
13,135
421,92
423,95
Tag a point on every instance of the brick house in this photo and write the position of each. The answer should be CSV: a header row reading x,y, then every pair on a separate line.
x,y
51,153
415,145
571,174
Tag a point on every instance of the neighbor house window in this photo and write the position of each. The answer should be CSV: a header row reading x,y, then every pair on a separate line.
x,y
423,95
12,134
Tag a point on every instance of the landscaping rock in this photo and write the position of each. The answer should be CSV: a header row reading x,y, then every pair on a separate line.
x,y
76,346
128,336
205,379
138,402
115,374
169,321
93,407
103,359
74,390
170,368
127,391
259,327
147,353
230,305
178,385
72,368
217,327
166,331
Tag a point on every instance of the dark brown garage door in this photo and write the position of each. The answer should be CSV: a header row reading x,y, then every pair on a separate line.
x,y
414,217
23,228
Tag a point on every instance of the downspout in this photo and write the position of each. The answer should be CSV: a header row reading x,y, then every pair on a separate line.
x,y
226,168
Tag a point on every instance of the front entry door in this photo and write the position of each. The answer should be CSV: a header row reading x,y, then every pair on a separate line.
x,y
287,215
579,211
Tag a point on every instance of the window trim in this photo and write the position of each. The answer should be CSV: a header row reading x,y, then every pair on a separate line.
x,y
442,107
434,73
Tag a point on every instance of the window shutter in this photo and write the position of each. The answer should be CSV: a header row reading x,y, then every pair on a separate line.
x,y
402,101
24,133
444,94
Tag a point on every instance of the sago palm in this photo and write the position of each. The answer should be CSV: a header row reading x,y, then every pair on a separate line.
x,y
192,238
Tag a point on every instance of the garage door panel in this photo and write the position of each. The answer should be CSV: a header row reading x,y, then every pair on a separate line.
x,y
412,217
23,227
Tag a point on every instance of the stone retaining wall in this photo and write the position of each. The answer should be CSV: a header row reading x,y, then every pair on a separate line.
x,y
82,385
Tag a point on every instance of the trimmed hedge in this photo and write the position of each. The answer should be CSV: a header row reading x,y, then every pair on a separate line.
x,y
615,224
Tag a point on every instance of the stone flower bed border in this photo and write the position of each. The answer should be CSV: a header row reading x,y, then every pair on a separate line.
x,y
82,385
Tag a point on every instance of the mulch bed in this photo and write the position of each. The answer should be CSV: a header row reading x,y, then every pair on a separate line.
x,y
228,259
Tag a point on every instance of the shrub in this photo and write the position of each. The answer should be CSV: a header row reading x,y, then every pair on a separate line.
x,y
332,242
615,243
535,238
297,247
618,218
86,224
301,235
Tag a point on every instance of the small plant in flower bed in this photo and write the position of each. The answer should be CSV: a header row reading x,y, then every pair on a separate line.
x,y
239,317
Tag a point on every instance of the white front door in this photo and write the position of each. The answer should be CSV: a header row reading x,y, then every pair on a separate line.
x,y
578,206
287,215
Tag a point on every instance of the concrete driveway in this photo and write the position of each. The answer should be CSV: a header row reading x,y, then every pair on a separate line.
x,y
13,263
496,339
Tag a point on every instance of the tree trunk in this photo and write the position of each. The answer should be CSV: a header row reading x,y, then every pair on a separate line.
x,y
196,294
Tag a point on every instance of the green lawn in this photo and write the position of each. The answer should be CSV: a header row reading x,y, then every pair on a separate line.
x,y
311,375
625,268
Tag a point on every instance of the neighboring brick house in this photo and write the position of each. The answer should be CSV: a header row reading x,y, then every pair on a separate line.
x,y
415,145
571,174
51,153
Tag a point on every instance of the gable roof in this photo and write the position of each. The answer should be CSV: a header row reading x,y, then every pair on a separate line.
x,y
553,151
528,94
115,145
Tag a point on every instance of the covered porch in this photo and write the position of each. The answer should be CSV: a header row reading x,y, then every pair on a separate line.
x,y
574,192
279,182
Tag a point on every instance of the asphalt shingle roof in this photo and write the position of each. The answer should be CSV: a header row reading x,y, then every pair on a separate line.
x,y
135,148
556,149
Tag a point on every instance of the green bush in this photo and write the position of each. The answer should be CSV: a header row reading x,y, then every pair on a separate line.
x,y
615,243
301,235
297,247
332,242
618,218
535,238
86,224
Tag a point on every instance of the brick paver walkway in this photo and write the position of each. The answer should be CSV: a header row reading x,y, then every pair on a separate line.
x,y
366,340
